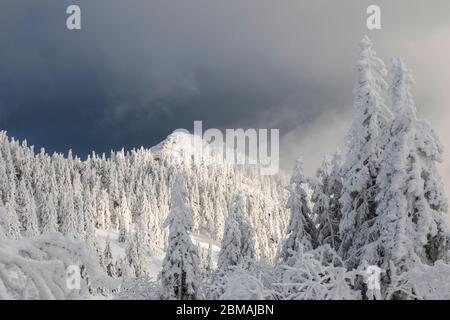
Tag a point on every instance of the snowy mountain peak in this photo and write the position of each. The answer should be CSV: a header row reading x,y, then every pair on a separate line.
x,y
179,147
184,148
176,143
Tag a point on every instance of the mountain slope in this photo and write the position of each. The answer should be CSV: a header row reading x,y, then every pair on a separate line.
x,y
130,188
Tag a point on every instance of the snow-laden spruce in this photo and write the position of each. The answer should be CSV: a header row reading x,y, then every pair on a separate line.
x,y
301,230
10,223
327,190
362,164
134,255
107,261
410,226
238,242
180,274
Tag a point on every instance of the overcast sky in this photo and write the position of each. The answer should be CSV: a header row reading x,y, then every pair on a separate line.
x,y
140,69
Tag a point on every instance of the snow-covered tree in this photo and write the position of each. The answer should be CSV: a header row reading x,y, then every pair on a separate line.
x,y
68,226
77,197
2,223
9,221
145,227
134,255
108,260
180,271
237,246
410,225
48,214
327,189
301,229
123,233
209,258
26,211
362,164
88,229
103,211
4,181
124,218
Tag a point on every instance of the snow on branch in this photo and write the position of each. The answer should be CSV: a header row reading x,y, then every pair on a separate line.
x,y
36,268
317,275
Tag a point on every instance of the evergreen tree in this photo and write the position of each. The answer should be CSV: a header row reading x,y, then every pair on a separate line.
x,y
11,222
180,274
3,235
119,267
48,214
301,229
410,226
26,211
107,260
327,191
103,211
146,228
209,258
135,260
124,217
88,229
4,181
362,164
69,220
143,236
122,230
238,242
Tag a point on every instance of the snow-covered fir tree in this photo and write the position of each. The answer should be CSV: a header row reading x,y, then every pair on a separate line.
x,y
209,258
301,230
134,255
48,214
327,190
26,210
410,225
10,222
362,163
108,261
3,213
237,246
180,274
68,224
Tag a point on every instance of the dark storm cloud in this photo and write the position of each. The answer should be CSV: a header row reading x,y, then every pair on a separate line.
x,y
140,69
